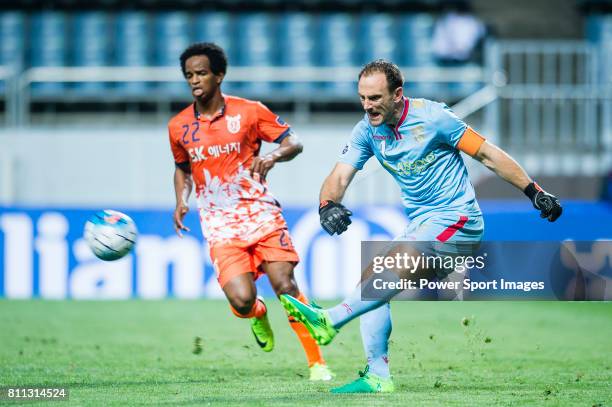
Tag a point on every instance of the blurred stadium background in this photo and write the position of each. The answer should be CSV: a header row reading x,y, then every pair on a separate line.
x,y
88,86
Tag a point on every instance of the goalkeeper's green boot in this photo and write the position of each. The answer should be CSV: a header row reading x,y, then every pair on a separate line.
x,y
263,331
315,319
367,383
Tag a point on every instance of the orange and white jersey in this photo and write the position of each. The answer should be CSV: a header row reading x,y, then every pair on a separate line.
x,y
233,205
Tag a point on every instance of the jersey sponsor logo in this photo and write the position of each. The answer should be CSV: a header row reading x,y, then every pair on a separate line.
x,y
345,149
197,154
218,149
415,167
233,123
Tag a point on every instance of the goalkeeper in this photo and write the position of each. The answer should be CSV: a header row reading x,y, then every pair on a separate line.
x,y
418,142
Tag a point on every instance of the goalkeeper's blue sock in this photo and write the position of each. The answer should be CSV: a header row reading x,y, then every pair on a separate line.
x,y
375,329
353,306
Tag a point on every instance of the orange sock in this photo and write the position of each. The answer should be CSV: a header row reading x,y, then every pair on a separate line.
x,y
258,310
312,350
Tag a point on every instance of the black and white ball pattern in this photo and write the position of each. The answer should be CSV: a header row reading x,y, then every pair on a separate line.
x,y
110,234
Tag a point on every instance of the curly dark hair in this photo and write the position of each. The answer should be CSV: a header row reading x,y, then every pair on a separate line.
x,y
215,54
394,76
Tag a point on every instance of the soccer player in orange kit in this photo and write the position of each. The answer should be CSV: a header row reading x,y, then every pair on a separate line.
x,y
215,142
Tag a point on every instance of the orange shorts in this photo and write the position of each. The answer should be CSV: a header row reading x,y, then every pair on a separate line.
x,y
241,257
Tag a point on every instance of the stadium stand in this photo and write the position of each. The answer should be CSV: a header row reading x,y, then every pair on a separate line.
x,y
131,46
255,47
171,38
379,37
142,38
339,34
571,118
91,45
337,47
12,43
599,32
416,49
12,32
295,39
48,46
217,27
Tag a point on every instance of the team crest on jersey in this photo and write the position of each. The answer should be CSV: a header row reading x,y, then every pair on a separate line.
x,y
233,123
419,134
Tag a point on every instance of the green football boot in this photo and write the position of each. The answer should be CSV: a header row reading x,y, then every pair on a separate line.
x,y
367,383
263,331
315,319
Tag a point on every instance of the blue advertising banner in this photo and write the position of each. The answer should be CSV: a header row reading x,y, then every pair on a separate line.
x,y
43,253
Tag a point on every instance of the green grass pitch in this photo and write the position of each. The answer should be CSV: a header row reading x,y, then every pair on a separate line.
x,y
472,353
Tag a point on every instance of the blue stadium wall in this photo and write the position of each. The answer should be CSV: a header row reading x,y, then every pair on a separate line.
x,y
43,254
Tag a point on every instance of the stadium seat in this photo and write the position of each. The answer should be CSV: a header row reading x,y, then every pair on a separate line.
x,y
217,27
255,48
606,43
416,31
48,47
172,37
416,49
12,41
594,26
295,37
379,38
337,45
91,45
599,32
132,41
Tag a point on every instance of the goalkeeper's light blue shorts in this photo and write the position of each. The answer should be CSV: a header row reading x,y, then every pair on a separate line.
x,y
444,228
444,235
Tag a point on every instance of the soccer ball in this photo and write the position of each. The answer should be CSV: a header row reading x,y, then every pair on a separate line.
x,y
110,234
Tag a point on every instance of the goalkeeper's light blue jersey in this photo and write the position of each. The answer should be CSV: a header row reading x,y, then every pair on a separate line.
x,y
421,154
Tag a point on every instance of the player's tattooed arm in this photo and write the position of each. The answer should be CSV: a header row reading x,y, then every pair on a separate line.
x,y
183,185
288,149
500,162
335,217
